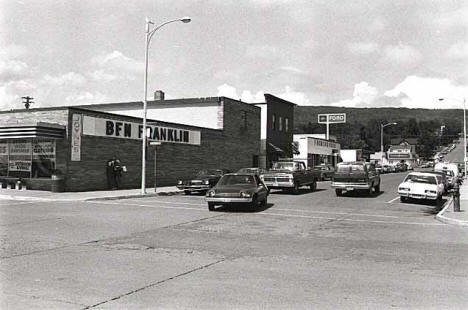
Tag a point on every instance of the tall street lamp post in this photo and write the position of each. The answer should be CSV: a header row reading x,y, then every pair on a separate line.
x,y
382,126
464,129
148,35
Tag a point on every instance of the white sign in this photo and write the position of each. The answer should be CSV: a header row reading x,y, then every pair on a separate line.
x,y
44,148
94,126
76,132
19,165
20,148
332,118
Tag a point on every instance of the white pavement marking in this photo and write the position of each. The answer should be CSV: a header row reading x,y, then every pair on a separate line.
x,y
393,199
283,214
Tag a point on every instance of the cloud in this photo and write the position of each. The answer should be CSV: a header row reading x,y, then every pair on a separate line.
x,y
458,51
362,48
85,97
13,70
292,69
102,76
363,95
116,63
261,51
70,79
422,92
402,54
288,94
13,51
293,96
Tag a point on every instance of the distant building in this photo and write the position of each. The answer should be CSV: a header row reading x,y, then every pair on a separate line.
x,y
404,152
315,151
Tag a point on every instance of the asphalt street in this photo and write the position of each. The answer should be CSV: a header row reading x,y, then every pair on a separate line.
x,y
312,250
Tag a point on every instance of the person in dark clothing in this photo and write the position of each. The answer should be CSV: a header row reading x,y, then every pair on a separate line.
x,y
117,173
110,173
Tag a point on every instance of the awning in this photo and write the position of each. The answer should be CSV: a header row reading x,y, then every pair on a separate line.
x,y
295,148
275,148
37,130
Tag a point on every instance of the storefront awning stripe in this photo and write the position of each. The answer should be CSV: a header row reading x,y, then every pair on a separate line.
x,y
275,148
18,132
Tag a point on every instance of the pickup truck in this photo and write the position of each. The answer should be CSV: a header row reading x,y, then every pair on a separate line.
x,y
350,176
290,175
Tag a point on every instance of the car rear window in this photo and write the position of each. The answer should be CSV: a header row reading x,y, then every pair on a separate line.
x,y
428,179
350,168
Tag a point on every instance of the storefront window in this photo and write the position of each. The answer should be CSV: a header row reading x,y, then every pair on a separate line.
x,y
27,158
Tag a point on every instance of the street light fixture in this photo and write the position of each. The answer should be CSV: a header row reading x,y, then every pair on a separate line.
x,y
464,128
382,126
148,35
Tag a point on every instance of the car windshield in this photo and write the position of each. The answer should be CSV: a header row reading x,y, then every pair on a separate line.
x,y
210,172
284,166
237,180
350,168
428,179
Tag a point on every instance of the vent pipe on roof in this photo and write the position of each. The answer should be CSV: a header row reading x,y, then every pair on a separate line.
x,y
159,95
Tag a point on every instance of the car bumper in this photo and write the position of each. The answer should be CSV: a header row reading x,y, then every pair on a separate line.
x,y
349,186
418,196
279,184
229,199
193,188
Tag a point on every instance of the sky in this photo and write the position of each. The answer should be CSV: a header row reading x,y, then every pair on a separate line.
x,y
376,53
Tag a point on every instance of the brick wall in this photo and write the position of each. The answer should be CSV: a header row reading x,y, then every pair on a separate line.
x,y
231,148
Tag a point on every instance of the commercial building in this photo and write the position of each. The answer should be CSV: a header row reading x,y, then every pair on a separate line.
x,y
404,152
277,124
315,151
77,142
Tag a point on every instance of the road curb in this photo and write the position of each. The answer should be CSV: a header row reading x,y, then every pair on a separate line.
x,y
171,193
441,218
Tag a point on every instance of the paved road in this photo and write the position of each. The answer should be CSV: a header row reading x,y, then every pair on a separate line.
x,y
312,250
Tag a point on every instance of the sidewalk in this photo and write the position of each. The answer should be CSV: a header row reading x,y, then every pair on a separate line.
x,y
12,194
446,215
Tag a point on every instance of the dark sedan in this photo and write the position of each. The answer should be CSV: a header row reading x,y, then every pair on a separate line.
x,y
238,188
203,181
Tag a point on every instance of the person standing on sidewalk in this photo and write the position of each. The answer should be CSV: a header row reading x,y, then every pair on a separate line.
x,y
117,173
110,173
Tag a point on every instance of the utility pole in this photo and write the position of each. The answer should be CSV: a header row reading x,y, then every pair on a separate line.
x,y
27,101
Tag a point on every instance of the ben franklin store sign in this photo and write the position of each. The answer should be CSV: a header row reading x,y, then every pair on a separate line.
x,y
117,129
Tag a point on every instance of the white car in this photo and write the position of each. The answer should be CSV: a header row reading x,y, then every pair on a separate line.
x,y
421,185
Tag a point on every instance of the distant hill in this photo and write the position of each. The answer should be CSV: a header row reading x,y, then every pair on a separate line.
x,y
305,114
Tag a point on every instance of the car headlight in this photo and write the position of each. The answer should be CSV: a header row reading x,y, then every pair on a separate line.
x,y
245,194
210,193
430,192
180,182
403,189
206,182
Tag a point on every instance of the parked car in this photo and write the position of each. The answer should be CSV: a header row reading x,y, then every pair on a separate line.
x,y
421,185
351,176
257,171
378,168
290,175
385,169
444,179
203,181
238,188
326,171
401,167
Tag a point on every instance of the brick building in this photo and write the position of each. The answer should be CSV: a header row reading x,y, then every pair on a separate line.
x,y
277,126
78,141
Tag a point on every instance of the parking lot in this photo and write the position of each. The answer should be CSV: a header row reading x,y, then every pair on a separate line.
x,y
300,251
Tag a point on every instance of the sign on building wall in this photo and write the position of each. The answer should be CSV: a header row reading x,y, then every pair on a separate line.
x,y
94,126
77,129
3,148
20,165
